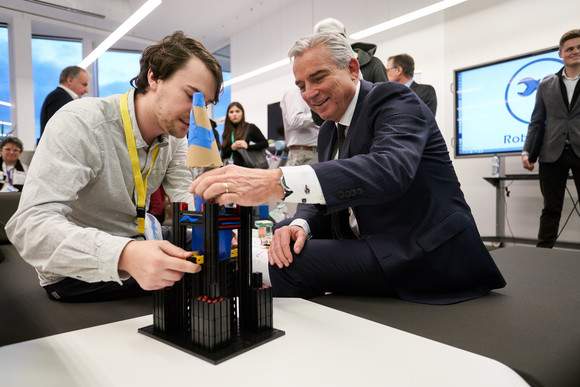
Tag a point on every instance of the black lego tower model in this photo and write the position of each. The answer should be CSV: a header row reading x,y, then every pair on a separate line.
x,y
224,310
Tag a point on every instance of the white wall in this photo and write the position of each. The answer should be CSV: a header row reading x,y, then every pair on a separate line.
x,y
471,33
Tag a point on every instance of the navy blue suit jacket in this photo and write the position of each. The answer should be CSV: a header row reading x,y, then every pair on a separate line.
x,y
427,94
396,174
53,101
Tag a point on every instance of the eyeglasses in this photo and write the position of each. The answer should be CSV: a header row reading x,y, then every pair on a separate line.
x,y
12,150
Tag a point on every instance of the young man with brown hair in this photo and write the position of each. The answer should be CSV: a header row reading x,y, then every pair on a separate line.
x,y
78,222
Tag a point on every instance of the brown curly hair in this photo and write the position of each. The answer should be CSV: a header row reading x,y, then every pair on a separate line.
x,y
171,54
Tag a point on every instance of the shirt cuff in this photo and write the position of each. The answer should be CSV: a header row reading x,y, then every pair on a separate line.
x,y
304,184
302,223
112,246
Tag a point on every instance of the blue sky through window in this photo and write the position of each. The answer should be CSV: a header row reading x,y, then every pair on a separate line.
x,y
49,58
116,69
5,121
220,110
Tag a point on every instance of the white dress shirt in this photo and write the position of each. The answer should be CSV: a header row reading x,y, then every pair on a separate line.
x,y
303,182
299,128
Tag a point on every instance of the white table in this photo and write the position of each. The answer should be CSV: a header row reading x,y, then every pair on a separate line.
x,y
322,347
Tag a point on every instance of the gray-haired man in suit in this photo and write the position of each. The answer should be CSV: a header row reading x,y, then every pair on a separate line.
x,y
406,231
554,136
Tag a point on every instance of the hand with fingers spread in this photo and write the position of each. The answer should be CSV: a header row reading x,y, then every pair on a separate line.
x,y
156,264
280,253
242,186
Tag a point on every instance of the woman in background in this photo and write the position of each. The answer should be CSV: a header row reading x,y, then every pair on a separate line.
x,y
239,134
13,172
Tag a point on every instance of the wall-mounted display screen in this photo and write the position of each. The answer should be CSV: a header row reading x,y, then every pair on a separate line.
x,y
494,102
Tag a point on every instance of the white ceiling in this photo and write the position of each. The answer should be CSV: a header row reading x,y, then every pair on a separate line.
x,y
212,22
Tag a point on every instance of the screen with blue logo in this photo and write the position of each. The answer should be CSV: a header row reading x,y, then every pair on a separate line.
x,y
494,102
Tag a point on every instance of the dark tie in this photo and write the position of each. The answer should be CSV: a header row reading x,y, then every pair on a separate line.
x,y
340,131
340,222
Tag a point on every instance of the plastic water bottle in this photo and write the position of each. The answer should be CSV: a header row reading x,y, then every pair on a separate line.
x,y
495,165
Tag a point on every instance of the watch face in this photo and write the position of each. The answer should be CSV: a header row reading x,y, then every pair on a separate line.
x,y
287,191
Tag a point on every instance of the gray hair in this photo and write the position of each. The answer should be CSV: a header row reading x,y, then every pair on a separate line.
x,y
70,72
337,45
330,25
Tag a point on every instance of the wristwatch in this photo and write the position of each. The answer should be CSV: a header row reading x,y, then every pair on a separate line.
x,y
287,190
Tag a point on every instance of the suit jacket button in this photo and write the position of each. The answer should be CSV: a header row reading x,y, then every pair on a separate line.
x,y
341,194
359,191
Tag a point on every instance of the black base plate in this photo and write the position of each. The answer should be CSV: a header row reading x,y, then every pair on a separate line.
x,y
242,342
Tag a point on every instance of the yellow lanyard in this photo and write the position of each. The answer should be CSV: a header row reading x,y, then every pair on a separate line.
x,y
140,184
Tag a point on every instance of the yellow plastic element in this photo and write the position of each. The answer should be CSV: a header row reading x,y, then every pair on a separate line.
x,y
199,258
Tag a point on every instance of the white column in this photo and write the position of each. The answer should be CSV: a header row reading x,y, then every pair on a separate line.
x,y
88,47
21,86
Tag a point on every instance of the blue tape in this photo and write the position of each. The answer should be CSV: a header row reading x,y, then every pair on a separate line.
x,y
198,135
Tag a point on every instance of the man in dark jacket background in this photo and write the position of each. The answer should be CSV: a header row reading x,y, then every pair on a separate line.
x,y
401,68
74,83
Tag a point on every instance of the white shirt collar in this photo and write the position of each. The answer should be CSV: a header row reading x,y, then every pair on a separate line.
x,y
347,116
567,77
71,93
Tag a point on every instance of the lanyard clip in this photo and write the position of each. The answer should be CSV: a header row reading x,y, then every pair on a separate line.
x,y
141,212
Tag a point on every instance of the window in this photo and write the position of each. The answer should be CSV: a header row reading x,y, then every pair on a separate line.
x,y
5,121
115,71
49,57
220,110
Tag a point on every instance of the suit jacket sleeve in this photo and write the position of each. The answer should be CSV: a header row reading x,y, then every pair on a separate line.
x,y
430,98
537,127
384,145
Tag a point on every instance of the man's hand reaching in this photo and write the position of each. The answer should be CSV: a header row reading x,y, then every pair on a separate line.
x,y
156,264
